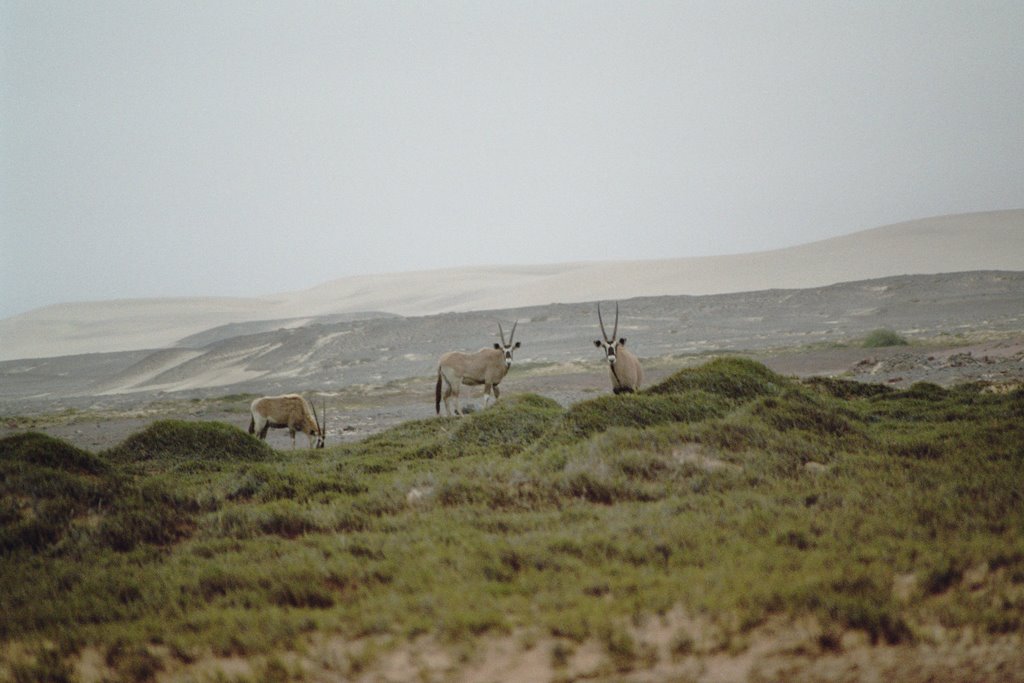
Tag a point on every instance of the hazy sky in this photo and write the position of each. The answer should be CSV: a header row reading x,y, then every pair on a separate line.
x,y
166,148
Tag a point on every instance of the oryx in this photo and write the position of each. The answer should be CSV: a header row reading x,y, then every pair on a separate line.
x,y
627,375
291,412
486,366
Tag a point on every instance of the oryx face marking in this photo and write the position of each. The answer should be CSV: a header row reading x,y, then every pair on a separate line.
x,y
609,348
507,349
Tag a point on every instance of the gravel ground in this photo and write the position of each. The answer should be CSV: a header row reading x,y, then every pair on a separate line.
x,y
375,373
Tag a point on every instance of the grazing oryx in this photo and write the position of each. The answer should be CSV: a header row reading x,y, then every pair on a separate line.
x,y
486,366
627,375
290,411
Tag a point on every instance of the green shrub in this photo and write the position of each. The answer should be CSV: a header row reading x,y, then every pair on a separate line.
x,y
634,410
48,667
49,487
882,338
735,379
193,441
508,427
149,514
45,485
33,448
801,410
846,388
411,439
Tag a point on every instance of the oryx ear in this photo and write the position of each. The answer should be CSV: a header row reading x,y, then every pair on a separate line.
x,y
597,343
622,340
497,346
517,345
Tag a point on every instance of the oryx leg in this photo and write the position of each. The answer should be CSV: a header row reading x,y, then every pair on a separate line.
x,y
447,395
458,399
262,427
451,389
490,393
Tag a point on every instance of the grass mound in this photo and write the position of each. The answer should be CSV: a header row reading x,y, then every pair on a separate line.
x,y
45,486
33,448
180,440
690,395
802,410
736,379
635,411
405,441
510,426
52,492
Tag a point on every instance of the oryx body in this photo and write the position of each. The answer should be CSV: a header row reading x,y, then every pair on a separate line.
x,y
627,375
291,412
486,366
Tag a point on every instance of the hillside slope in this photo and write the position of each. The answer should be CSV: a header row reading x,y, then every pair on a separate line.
x,y
330,356
983,241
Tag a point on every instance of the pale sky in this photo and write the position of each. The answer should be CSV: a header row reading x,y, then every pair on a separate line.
x,y
233,148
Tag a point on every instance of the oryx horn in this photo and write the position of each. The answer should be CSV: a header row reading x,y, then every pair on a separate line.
x,y
511,336
615,331
316,417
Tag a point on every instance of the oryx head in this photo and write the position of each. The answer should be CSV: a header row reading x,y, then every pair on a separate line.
x,y
509,347
321,430
609,343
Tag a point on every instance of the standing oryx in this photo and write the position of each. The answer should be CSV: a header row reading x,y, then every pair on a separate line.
x,y
627,375
486,366
290,411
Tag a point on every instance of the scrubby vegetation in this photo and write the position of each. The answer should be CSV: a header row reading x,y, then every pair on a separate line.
x,y
726,490
883,337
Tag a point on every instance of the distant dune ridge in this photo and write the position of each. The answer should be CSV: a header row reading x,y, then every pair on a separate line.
x,y
946,244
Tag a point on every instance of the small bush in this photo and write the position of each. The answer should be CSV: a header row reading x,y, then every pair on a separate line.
x,y
636,411
736,379
847,388
800,410
150,515
200,441
33,448
48,667
927,391
412,439
507,428
882,338
137,662
45,485
59,486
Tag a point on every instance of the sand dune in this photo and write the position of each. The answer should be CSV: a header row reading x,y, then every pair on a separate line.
x,y
982,241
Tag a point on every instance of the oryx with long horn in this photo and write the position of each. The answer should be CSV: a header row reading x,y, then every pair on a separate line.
x,y
486,366
291,412
627,375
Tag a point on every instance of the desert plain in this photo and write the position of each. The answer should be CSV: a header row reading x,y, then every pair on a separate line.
x,y
374,372
367,346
